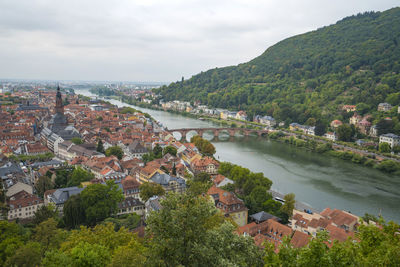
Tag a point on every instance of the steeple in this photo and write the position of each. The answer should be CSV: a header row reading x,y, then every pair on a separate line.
x,y
59,104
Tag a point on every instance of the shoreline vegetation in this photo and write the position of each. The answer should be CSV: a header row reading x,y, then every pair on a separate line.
x,y
314,144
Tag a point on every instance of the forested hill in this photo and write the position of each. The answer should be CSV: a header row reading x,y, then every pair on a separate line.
x,y
355,61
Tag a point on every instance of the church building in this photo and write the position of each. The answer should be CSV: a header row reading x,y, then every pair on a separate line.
x,y
57,129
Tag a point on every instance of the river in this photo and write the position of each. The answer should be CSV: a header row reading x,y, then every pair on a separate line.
x,y
317,180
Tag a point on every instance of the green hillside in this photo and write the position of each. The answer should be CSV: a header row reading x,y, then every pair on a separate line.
x,y
355,61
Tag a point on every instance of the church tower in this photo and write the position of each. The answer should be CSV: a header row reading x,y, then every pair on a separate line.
x,y
59,104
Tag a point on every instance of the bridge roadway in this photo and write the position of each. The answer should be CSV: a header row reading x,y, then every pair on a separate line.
x,y
216,131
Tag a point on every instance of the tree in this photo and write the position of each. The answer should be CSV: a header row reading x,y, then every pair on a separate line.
x,y
384,126
147,157
199,184
78,176
133,254
99,118
202,177
86,254
77,141
116,151
173,170
74,212
157,151
197,234
396,149
320,128
28,255
345,133
48,235
288,206
100,147
256,199
389,166
147,190
130,222
384,148
12,237
44,213
43,184
203,145
98,246
63,176
171,150
100,201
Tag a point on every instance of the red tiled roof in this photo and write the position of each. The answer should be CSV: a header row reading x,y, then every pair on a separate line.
x,y
299,239
339,234
227,198
23,199
129,183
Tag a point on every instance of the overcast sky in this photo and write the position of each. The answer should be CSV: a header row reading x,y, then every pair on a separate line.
x,y
151,40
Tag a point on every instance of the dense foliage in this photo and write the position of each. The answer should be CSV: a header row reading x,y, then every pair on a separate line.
x,y
203,145
147,190
93,205
115,151
356,61
189,231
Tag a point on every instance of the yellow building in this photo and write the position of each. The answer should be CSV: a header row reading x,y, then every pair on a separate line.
x,y
230,205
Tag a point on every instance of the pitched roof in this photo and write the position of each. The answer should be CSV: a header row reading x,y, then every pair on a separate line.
x,y
259,240
23,199
61,195
263,216
129,183
299,239
339,234
227,198
339,217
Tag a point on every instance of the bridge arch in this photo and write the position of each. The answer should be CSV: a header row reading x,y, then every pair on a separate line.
x,y
177,135
192,132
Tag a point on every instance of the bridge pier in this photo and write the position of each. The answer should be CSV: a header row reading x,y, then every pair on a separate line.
x,y
216,131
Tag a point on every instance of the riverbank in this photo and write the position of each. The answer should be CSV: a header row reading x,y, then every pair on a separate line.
x,y
372,159
318,181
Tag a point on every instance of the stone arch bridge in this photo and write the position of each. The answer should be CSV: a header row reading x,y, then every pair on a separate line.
x,y
216,131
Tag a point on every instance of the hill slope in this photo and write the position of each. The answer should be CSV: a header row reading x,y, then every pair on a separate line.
x,y
355,61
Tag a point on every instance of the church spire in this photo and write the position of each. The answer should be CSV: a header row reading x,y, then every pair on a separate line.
x,y
59,104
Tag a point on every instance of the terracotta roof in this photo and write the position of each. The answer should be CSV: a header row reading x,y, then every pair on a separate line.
x,y
227,198
204,162
23,199
259,240
129,183
218,178
299,239
337,233
149,169
339,217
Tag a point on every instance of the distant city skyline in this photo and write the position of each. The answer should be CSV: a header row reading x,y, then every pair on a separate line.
x,y
152,40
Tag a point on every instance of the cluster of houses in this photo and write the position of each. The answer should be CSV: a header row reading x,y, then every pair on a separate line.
x,y
136,135
340,225
362,123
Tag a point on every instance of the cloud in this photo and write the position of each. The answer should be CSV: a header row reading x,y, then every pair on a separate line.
x,y
151,40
